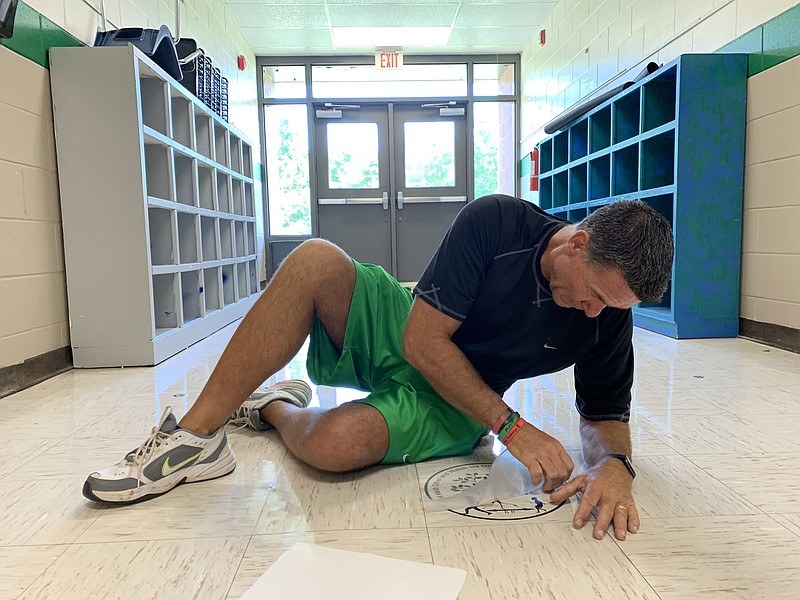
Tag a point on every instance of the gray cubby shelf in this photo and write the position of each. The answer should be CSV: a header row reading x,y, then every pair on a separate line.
x,y
153,276
664,142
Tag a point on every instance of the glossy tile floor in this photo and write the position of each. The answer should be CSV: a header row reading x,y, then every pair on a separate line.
x,y
715,430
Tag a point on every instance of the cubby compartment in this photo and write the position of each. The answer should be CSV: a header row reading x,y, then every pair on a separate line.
x,y
577,184
184,179
578,140
238,227
560,189
560,149
211,290
157,161
247,160
249,206
203,135
228,285
236,153
546,193
625,165
162,246
205,186
223,192
658,161
625,117
659,99
191,296
182,121
252,273
242,283
208,236
600,177
664,205
600,130
221,145
237,195
187,238
225,238
164,302
251,238
154,104
546,156
576,215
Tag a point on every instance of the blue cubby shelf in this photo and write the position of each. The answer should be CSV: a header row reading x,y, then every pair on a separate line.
x,y
676,141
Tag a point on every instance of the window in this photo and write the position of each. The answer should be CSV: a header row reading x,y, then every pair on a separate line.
x,y
286,128
493,137
284,82
430,154
493,80
412,81
353,156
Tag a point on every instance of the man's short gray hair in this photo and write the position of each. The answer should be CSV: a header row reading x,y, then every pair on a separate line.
x,y
632,238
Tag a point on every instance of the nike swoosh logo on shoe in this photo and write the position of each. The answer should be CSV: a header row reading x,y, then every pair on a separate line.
x,y
167,469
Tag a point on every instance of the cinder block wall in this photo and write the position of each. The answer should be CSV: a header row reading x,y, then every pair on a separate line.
x,y
34,331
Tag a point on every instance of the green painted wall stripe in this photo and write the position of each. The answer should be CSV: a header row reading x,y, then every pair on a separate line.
x,y
34,34
769,44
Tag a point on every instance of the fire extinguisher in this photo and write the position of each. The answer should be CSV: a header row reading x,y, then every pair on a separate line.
x,y
535,170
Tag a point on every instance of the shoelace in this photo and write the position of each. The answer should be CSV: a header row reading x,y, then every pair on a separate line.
x,y
241,415
157,437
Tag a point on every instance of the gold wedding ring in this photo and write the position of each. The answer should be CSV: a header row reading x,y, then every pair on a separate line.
x,y
622,506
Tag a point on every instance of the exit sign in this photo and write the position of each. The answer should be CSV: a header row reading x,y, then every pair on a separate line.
x,y
389,60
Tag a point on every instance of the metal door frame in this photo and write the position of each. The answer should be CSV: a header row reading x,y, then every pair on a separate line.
x,y
309,61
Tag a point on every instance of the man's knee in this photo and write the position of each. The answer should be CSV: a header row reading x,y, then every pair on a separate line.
x,y
318,256
338,442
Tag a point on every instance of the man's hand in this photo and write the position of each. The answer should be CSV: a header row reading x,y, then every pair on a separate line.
x,y
607,487
543,456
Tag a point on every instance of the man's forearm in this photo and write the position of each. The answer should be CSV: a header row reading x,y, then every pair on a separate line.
x,y
446,368
601,438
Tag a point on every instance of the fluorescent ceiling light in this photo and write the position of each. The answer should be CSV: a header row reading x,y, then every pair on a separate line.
x,y
390,36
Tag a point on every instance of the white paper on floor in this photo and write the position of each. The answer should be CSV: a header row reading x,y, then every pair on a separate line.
x,y
508,478
306,571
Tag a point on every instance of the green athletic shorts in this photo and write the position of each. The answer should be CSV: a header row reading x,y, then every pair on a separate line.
x,y
421,424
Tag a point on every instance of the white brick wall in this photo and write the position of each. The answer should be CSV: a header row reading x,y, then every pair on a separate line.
x,y
630,33
590,42
33,305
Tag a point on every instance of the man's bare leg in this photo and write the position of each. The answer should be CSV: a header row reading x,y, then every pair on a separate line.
x,y
316,279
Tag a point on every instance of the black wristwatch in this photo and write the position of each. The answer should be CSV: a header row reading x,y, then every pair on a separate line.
x,y
625,461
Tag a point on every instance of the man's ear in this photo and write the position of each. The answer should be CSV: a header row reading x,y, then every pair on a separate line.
x,y
577,242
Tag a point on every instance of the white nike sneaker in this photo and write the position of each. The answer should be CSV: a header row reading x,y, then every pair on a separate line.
x,y
294,391
168,458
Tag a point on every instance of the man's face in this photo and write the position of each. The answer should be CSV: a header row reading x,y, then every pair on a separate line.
x,y
577,285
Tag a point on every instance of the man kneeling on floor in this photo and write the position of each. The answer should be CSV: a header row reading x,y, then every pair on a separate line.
x,y
511,293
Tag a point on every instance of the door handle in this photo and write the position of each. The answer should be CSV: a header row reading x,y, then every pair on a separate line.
x,y
400,200
385,200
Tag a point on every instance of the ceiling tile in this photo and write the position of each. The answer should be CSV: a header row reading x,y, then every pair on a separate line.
x,y
273,2
309,36
488,37
392,15
280,15
514,14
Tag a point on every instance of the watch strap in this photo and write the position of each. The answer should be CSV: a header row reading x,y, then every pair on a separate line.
x,y
625,461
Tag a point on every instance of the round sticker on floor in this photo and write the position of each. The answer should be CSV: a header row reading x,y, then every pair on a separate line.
x,y
454,480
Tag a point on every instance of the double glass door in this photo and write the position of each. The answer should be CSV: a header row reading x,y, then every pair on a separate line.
x,y
390,179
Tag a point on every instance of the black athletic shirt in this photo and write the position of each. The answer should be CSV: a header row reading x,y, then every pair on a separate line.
x,y
487,274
